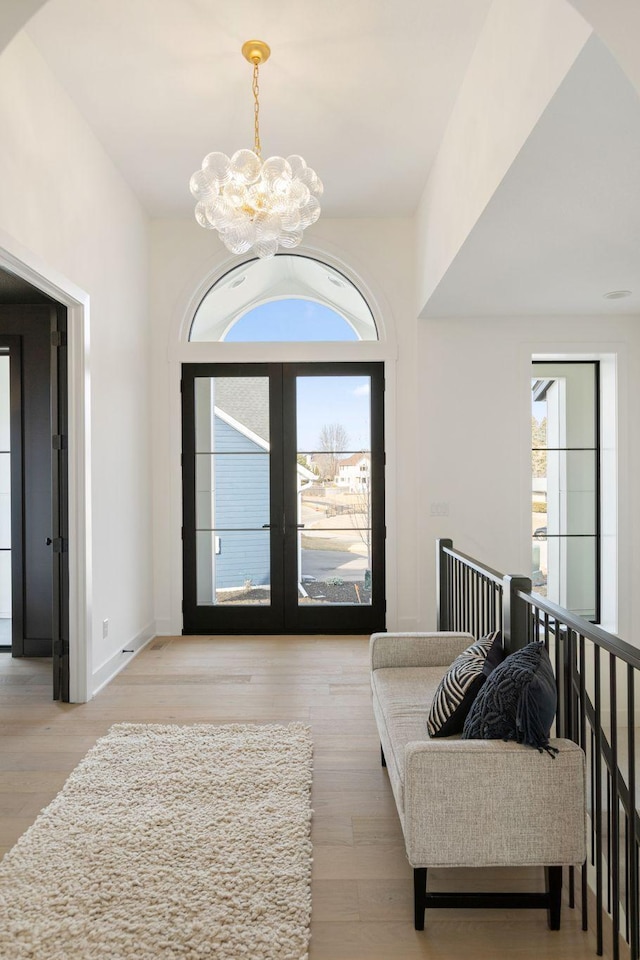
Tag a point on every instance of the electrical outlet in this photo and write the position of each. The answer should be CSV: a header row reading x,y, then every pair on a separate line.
x,y
105,629
440,509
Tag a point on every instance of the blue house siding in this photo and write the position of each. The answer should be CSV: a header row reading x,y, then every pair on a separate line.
x,y
241,503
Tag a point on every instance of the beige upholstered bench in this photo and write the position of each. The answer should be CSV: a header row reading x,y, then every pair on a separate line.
x,y
471,803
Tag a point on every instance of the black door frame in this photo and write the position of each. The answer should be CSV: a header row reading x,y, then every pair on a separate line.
x,y
60,503
284,614
58,535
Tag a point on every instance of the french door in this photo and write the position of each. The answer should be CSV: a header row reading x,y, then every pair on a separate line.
x,y
283,498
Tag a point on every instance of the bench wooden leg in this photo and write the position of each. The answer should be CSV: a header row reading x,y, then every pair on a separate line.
x,y
419,896
554,890
551,899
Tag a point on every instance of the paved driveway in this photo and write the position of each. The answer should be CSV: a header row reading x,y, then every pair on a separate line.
x,y
333,563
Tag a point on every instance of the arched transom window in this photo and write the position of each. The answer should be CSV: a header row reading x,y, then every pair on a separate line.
x,y
288,298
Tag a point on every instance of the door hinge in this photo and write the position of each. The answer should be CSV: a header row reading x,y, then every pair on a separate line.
x,y
61,648
59,441
58,338
60,545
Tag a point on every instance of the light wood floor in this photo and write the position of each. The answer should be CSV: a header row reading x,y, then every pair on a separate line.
x,y
362,884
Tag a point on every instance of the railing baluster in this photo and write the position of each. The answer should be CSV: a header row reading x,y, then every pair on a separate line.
x,y
452,592
632,840
583,744
626,878
608,840
593,798
614,872
558,671
473,598
488,624
571,728
496,607
598,797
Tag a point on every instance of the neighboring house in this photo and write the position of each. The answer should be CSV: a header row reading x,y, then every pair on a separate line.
x,y
239,551
240,506
354,472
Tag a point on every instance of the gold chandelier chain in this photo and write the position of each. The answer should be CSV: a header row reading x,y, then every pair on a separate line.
x,y
256,109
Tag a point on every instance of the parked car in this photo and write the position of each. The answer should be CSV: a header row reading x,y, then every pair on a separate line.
x,y
540,533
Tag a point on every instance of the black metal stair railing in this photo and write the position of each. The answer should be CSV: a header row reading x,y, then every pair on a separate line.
x,y
598,680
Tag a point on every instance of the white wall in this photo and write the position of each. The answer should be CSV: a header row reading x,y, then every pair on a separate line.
x,y
63,200
523,53
474,398
378,253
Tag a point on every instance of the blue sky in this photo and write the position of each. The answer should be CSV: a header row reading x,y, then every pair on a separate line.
x,y
326,400
289,320
320,400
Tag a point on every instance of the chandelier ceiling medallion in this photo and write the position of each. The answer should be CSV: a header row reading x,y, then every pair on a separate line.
x,y
256,205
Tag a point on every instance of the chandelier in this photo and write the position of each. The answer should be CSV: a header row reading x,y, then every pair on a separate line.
x,y
256,205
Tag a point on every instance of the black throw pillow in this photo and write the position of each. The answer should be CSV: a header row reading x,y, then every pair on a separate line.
x,y
518,701
458,688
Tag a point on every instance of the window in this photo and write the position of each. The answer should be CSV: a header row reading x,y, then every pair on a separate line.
x,y
565,493
289,298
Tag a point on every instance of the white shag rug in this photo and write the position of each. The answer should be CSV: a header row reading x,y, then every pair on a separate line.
x,y
169,842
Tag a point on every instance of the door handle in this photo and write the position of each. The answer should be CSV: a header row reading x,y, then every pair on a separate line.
x,y
48,541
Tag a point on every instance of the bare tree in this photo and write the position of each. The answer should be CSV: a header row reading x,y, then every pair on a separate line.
x,y
538,441
360,517
333,439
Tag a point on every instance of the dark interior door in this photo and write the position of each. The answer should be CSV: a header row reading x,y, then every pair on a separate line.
x,y
35,337
283,494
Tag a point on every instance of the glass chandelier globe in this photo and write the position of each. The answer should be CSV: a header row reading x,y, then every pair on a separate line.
x,y
254,205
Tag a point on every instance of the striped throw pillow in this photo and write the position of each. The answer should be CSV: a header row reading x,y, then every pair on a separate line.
x,y
458,688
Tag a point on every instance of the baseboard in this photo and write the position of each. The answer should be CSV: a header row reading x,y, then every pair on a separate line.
x,y
118,661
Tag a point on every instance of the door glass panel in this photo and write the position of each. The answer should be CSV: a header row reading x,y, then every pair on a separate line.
x,y
333,482
232,490
5,503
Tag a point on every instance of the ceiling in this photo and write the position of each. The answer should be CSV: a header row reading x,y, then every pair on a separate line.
x,y
361,88
563,228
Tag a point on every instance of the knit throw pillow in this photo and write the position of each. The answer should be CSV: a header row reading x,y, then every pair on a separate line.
x,y
518,701
458,688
